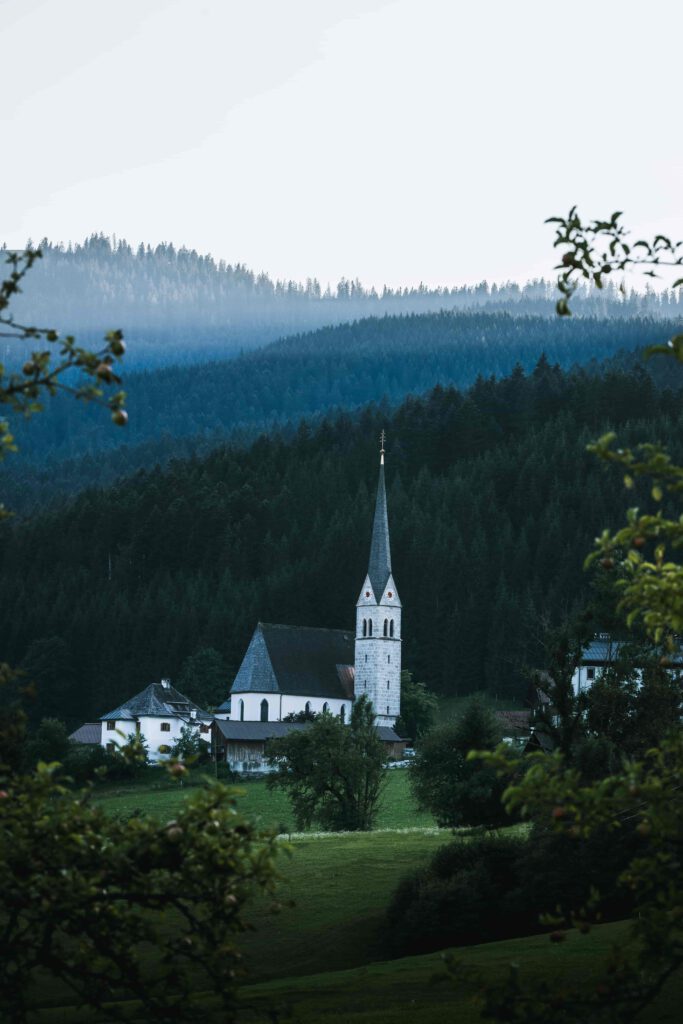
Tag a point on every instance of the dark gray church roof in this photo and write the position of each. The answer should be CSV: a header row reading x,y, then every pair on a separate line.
x,y
158,701
379,568
301,660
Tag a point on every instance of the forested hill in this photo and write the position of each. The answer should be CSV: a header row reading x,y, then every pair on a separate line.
x,y
176,305
493,505
341,367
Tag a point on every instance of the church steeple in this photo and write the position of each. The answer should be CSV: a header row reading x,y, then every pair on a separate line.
x,y
379,567
378,621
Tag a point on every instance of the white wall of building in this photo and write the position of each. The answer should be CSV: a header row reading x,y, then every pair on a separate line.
x,y
281,705
585,675
151,730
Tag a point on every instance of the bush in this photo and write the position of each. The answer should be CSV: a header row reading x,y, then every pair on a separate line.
x,y
467,894
455,790
497,887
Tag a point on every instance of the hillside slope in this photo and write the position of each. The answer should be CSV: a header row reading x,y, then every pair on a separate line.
x,y
493,506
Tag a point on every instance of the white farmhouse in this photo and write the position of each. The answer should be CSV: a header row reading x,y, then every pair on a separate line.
x,y
603,652
158,714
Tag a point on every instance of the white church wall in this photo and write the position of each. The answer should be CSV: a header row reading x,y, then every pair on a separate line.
x,y
281,705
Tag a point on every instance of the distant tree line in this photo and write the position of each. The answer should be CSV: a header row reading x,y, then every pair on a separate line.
x,y
176,305
183,411
493,504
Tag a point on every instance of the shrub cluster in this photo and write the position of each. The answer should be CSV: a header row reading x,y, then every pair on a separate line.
x,y
497,887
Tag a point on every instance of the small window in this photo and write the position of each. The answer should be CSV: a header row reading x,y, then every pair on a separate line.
x,y
365,627
388,659
366,657
307,709
342,713
369,627
111,747
241,711
391,628
388,685
264,710
387,709
386,627
165,726
111,725
590,673
326,706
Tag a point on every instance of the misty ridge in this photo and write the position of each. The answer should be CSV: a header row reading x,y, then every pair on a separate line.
x,y
177,306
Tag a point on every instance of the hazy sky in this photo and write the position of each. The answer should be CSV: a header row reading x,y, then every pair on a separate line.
x,y
397,141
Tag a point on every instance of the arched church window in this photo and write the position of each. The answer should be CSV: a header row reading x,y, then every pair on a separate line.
x,y
388,659
308,707
387,709
326,707
365,627
264,710
241,711
342,713
391,628
386,627
369,627
388,685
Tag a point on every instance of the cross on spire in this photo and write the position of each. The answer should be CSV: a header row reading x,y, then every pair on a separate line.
x,y
382,439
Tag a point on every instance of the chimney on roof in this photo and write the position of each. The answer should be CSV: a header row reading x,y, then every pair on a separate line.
x,y
166,683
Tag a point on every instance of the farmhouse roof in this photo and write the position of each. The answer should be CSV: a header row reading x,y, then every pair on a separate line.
x,y
273,730
602,650
300,660
158,700
90,732
379,567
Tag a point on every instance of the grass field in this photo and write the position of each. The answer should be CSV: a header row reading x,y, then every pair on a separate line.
x,y
158,796
323,959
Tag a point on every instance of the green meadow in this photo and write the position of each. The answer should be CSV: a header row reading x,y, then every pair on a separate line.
x,y
159,796
322,956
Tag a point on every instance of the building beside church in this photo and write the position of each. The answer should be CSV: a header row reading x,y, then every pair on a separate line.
x,y
158,714
288,670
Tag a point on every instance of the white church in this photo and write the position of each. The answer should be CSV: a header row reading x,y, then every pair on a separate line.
x,y
293,669
288,670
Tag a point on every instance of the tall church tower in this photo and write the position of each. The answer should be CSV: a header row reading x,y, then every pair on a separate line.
x,y
378,621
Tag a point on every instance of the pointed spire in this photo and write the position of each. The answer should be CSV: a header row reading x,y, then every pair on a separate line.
x,y
379,569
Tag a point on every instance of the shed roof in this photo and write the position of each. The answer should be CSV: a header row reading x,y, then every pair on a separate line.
x,y
89,732
303,661
158,700
260,731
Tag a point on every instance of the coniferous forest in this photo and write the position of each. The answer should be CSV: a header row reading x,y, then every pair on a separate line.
x,y
494,503
180,306
181,411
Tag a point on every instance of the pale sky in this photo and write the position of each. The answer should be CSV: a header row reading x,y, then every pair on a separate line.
x,y
395,141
